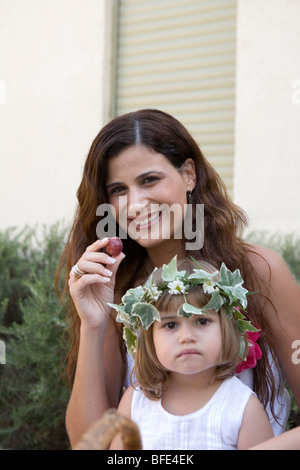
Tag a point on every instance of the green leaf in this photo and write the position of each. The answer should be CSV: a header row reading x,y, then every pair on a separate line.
x,y
244,325
202,276
147,314
189,309
182,313
130,339
132,296
119,308
242,347
122,315
169,271
229,310
228,278
215,302
239,315
148,283
231,284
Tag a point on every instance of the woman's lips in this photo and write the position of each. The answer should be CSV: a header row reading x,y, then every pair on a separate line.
x,y
146,222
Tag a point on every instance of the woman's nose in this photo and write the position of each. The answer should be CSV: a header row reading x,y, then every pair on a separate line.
x,y
136,203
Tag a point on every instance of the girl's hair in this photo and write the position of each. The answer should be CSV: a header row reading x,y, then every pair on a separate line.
x,y
150,375
223,221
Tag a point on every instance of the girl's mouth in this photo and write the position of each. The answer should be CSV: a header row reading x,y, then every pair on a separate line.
x,y
187,352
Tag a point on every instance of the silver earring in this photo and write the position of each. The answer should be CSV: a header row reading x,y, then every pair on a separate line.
x,y
189,196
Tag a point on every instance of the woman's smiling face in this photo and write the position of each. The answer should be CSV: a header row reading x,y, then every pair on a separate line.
x,y
148,193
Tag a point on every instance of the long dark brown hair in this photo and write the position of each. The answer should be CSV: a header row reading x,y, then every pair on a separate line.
x,y
223,220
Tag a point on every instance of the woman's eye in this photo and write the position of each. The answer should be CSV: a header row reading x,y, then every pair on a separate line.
x,y
117,189
150,179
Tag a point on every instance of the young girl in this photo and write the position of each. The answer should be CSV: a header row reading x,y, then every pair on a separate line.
x,y
188,333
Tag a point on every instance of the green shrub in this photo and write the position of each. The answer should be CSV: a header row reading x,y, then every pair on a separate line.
x,y
33,394
288,246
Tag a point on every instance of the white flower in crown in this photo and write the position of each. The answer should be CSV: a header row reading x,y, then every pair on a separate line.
x,y
176,287
154,292
209,287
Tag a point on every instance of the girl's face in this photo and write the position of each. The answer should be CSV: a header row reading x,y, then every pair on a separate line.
x,y
188,345
148,194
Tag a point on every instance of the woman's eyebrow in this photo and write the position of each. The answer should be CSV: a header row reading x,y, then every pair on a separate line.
x,y
110,185
151,172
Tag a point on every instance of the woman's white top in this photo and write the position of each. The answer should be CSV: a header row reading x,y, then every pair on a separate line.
x,y
215,426
282,402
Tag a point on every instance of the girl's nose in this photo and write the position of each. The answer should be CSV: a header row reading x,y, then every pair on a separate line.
x,y
187,334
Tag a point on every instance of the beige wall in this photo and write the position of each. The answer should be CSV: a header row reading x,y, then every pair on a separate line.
x,y
55,59
267,153
52,65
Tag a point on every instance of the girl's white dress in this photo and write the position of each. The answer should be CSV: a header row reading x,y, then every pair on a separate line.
x,y
214,427
282,403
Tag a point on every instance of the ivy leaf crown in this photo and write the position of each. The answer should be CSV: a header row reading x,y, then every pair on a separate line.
x,y
225,287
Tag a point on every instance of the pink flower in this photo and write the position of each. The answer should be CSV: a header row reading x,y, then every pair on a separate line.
x,y
254,353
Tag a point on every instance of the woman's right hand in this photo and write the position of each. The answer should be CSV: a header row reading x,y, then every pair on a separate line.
x,y
92,291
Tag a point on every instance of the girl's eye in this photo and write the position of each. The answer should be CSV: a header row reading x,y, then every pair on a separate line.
x,y
170,325
203,321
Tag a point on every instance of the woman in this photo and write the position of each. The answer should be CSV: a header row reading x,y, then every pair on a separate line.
x,y
138,161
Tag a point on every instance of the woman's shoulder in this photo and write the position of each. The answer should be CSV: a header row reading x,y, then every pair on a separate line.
x,y
266,262
273,277
262,254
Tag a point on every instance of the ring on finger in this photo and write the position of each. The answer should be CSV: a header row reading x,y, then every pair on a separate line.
x,y
77,271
